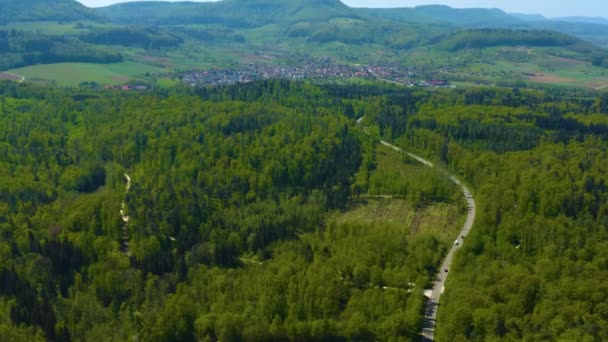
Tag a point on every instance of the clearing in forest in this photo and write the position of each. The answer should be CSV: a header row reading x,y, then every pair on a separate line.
x,y
442,218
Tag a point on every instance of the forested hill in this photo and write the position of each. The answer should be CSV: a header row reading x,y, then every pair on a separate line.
x,y
470,17
590,29
256,13
486,38
44,10
234,13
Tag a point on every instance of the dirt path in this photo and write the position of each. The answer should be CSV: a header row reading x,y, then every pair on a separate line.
x,y
19,78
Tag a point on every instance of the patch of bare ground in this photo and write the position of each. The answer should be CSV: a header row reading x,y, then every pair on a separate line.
x,y
551,79
10,77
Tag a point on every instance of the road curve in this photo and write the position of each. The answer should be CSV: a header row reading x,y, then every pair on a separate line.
x,y
430,313
19,76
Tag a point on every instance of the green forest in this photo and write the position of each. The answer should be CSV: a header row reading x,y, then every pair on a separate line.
x,y
229,235
534,267
21,48
232,204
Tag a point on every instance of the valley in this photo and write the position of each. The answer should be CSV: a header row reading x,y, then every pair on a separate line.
x,y
157,47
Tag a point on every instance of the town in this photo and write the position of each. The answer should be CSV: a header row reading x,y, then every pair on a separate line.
x,y
320,70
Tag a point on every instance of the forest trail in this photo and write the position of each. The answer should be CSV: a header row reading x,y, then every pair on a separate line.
x,y
430,313
21,78
124,243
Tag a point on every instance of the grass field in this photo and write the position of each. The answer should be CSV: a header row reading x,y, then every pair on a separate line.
x,y
442,219
53,27
395,171
540,66
167,82
72,74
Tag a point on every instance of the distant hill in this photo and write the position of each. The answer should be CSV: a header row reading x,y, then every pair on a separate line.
x,y
590,29
232,13
482,38
569,46
583,20
528,17
301,18
469,17
301,23
44,10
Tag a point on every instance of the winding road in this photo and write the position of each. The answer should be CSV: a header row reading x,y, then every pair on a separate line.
x,y
430,313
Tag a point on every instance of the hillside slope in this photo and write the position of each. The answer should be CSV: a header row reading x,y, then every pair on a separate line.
x,y
233,13
43,10
468,17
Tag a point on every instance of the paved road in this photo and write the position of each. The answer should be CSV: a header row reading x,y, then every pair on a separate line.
x,y
430,314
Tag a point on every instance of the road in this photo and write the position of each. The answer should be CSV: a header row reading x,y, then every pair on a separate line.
x,y
383,79
430,314
124,244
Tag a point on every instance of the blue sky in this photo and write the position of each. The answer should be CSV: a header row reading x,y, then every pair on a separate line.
x,y
550,8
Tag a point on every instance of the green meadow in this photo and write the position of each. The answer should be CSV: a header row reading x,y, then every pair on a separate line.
x,y
541,67
72,74
55,28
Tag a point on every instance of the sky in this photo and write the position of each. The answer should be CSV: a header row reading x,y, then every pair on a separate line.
x,y
548,8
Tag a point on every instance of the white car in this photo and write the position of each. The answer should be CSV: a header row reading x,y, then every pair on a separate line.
x,y
456,243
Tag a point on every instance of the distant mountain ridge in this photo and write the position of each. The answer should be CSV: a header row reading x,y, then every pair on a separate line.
x,y
590,29
583,20
44,10
469,17
315,18
528,17
236,13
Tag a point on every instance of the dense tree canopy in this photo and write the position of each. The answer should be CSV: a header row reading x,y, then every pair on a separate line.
x,y
534,265
229,232
228,235
21,48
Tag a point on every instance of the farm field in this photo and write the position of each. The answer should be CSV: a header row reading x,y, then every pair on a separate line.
x,y
544,69
72,74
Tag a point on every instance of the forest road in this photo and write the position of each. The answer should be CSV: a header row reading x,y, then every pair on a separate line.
x,y
124,242
430,313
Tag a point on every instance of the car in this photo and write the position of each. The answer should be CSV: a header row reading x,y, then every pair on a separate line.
x,y
456,243
445,270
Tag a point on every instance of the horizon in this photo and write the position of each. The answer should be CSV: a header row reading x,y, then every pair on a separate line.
x,y
547,8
